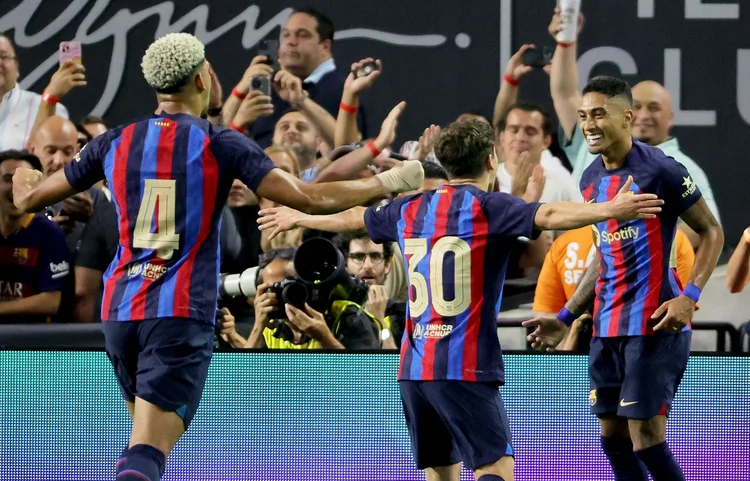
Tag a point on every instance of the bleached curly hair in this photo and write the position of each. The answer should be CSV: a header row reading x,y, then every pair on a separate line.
x,y
169,61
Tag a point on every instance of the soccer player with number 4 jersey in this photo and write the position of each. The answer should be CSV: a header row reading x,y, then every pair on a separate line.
x,y
456,241
170,175
641,337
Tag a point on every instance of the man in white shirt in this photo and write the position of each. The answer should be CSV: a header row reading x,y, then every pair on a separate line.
x,y
527,129
18,107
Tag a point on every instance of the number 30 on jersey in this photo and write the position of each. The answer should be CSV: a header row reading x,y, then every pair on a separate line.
x,y
416,250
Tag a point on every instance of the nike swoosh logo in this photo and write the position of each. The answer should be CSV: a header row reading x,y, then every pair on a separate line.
x,y
626,404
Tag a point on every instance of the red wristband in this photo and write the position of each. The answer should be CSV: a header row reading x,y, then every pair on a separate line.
x,y
512,81
236,127
565,45
352,109
238,94
50,99
373,149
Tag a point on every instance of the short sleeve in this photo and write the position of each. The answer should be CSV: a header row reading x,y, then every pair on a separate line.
x,y
87,167
549,295
679,192
249,163
54,259
381,221
93,252
509,216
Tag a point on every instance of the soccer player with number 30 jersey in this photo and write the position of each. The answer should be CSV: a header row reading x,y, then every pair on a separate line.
x,y
456,241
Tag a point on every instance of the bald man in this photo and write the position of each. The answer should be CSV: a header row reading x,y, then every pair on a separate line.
x,y
55,142
652,106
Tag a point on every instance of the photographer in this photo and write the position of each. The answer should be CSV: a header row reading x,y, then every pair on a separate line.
x,y
344,325
372,263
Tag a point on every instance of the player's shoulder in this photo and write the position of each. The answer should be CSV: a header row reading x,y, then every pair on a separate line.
x,y
652,158
397,203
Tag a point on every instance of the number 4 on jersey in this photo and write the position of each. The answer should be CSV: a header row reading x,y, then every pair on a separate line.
x,y
159,198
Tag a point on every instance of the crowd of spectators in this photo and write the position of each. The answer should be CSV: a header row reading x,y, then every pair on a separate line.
x,y
305,110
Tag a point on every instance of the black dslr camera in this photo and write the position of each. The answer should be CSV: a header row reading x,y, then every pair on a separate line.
x,y
321,280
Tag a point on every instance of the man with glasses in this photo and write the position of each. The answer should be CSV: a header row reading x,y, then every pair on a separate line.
x,y
18,107
372,263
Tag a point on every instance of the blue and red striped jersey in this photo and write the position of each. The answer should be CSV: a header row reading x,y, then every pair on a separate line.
x,y
170,176
33,260
456,242
635,277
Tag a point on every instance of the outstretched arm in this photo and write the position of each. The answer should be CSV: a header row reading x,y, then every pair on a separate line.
x,y
32,194
739,265
281,219
571,215
329,197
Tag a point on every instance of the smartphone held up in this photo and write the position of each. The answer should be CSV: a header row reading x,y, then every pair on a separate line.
x,y
70,52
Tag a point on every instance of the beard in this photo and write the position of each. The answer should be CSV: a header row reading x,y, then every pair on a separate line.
x,y
305,155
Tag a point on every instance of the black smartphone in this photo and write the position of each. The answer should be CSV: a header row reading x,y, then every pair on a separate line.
x,y
366,69
269,48
261,83
537,57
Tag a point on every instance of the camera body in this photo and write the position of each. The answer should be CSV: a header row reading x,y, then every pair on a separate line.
x,y
321,280
290,291
366,69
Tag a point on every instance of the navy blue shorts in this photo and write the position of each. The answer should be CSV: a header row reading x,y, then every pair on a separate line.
x,y
637,377
163,361
453,421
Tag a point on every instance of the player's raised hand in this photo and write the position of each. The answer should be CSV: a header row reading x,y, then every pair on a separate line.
x,y
280,219
679,313
549,332
24,181
628,206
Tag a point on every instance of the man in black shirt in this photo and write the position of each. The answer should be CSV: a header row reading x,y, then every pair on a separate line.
x,y
306,52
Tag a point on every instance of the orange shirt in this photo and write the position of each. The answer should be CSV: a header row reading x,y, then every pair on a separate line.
x,y
573,251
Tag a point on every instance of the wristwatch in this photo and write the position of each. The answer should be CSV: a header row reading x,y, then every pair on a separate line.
x,y
385,334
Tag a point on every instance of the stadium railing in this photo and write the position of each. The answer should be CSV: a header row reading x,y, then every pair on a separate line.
x,y
89,336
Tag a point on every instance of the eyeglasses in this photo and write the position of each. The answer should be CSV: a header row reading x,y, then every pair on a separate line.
x,y
6,57
359,257
286,253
